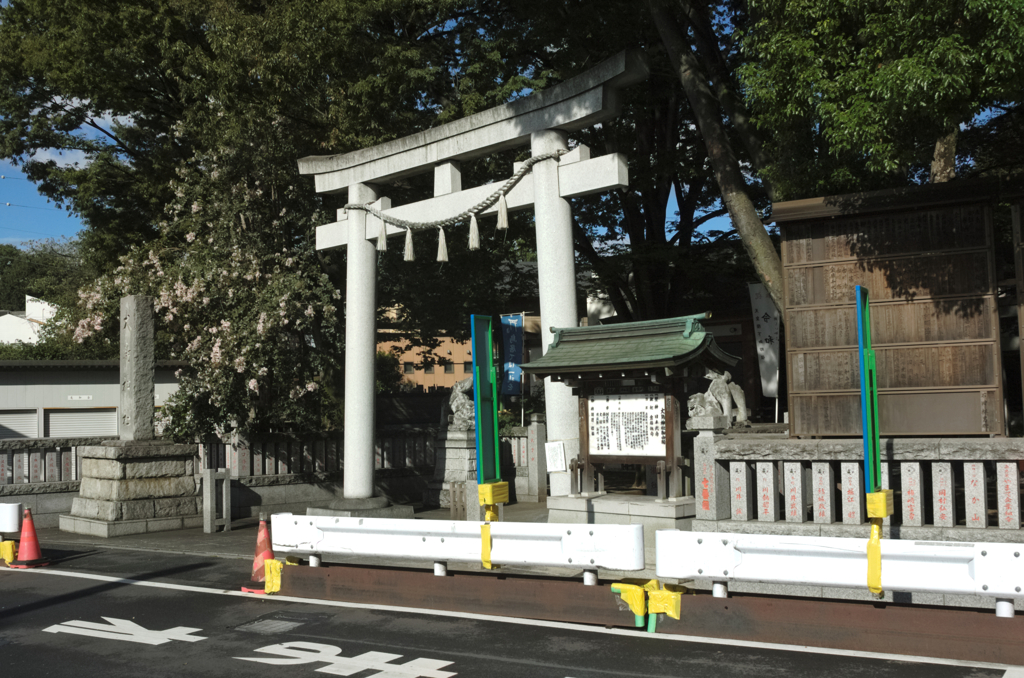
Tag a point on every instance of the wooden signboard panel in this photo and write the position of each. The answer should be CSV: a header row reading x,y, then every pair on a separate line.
x,y
934,322
627,424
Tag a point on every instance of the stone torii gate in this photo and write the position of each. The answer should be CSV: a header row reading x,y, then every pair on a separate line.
x,y
543,120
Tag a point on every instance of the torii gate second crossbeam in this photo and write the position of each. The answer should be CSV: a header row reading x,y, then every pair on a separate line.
x,y
542,119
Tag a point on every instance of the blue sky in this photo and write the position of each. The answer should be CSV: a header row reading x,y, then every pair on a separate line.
x,y
29,216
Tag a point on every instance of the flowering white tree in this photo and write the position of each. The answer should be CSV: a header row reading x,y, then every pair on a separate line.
x,y
239,295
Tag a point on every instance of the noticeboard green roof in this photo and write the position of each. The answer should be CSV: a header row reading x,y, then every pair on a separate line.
x,y
672,342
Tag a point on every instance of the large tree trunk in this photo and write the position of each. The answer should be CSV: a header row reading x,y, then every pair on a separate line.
x,y
944,158
723,160
721,81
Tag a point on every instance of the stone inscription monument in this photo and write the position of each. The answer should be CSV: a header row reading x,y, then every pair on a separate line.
x,y
137,483
138,366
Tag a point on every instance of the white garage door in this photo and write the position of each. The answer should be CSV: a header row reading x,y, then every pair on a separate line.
x,y
19,424
81,423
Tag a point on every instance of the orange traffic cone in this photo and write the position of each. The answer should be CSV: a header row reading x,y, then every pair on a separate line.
x,y
29,554
263,553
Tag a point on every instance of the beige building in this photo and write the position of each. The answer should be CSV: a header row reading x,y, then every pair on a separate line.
x,y
451,361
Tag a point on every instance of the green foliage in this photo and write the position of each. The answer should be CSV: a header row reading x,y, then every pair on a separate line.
x,y
388,374
854,94
51,270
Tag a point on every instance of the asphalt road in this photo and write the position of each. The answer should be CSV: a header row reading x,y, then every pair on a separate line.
x,y
118,613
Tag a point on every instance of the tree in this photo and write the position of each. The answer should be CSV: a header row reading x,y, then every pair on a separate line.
x,y
861,94
190,192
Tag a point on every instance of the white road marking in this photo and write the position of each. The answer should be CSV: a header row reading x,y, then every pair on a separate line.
x,y
1015,672
122,629
536,622
308,653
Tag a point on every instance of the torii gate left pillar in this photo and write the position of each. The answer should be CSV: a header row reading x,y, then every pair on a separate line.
x,y
542,120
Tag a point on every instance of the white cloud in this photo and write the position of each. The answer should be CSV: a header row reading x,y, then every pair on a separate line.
x,y
62,158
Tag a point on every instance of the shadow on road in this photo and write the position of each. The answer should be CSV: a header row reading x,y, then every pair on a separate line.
x,y
97,589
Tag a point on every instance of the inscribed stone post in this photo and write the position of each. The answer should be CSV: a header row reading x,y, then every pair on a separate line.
x,y
767,491
886,485
712,479
793,476
853,493
138,367
823,482
943,507
741,496
913,494
975,495
1008,495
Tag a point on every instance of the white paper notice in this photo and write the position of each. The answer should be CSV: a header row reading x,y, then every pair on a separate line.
x,y
555,452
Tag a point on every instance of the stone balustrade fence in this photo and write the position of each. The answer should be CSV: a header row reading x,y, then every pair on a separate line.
x,y
946,489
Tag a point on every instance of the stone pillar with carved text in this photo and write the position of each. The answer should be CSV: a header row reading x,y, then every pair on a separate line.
x,y
138,365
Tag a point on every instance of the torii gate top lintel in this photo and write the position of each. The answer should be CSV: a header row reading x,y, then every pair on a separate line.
x,y
577,103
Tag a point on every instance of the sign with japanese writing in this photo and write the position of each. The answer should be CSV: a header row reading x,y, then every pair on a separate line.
x,y
766,332
512,339
627,424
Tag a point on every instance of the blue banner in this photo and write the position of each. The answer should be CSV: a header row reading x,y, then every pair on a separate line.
x,y
512,339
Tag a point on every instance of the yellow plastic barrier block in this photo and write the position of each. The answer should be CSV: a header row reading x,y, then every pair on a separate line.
x,y
272,570
7,551
880,504
493,493
292,560
635,597
665,601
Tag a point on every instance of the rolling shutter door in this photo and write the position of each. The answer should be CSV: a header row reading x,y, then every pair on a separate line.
x,y
81,423
19,424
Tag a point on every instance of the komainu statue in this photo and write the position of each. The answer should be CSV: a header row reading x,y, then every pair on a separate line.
x,y
719,400
463,415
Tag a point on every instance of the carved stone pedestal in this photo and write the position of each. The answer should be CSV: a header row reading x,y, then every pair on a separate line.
x,y
135,486
456,463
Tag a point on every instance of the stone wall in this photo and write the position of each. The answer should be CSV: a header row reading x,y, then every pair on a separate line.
x,y
46,500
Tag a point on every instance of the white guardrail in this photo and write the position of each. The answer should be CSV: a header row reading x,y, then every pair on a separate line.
x,y
587,547
993,570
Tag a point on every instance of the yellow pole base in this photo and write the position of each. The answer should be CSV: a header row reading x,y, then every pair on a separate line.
x,y
875,558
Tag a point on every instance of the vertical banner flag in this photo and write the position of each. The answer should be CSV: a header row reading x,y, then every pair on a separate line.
x,y
766,331
512,338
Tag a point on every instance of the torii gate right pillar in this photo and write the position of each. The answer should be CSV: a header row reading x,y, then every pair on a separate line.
x,y
556,283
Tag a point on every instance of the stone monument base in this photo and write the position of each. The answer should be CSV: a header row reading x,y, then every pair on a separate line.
x,y
373,507
456,463
135,486
625,509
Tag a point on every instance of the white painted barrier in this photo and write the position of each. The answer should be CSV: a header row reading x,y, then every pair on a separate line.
x,y
588,547
993,570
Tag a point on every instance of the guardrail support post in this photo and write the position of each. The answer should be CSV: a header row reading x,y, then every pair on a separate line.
x,y
1004,608
590,579
314,560
440,568
720,589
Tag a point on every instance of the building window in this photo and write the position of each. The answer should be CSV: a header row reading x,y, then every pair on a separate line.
x,y
428,369
449,368
408,368
467,367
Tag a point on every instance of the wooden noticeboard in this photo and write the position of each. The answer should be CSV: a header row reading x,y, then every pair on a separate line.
x,y
928,259
628,424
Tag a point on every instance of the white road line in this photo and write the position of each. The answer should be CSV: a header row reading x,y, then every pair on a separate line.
x,y
1011,671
